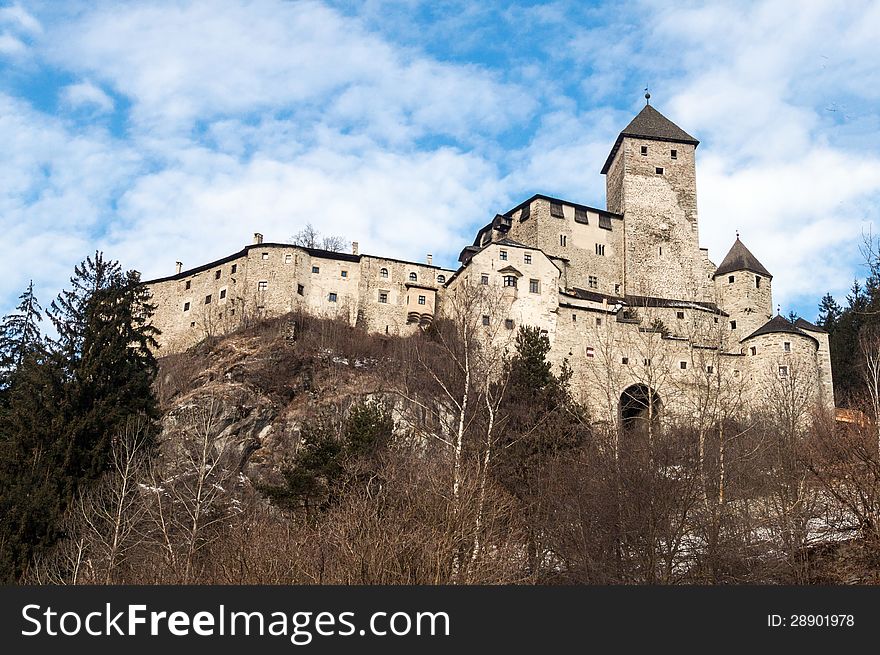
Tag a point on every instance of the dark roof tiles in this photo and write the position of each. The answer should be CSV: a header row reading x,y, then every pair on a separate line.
x,y
650,124
740,258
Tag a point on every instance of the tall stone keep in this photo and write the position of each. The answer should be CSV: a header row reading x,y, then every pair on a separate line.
x,y
650,178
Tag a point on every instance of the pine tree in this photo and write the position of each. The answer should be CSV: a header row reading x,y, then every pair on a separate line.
x,y
829,313
104,343
20,335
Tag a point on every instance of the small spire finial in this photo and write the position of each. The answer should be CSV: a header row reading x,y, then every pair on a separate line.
x,y
778,310
737,234
647,97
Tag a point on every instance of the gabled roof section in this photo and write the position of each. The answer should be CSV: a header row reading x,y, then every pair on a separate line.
x,y
650,124
803,324
740,258
780,324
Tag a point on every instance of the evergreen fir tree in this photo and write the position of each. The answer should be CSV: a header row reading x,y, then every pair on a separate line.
x,y
20,335
829,313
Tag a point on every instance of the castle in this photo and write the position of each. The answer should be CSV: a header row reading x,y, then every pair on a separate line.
x,y
625,294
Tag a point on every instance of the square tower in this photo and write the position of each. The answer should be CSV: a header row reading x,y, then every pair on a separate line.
x,y
651,180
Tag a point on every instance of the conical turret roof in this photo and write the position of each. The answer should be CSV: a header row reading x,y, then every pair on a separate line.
x,y
650,124
779,324
740,258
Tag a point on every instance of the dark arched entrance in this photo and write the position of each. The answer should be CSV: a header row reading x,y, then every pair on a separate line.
x,y
638,404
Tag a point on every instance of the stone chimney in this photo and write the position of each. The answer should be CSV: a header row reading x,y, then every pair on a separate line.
x,y
430,259
178,267
354,247
258,238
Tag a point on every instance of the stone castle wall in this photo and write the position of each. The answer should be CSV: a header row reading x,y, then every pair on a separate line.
x,y
270,279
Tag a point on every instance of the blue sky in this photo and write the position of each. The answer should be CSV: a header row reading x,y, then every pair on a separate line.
x,y
164,131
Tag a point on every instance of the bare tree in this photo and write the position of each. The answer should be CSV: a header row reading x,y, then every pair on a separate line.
x,y
310,237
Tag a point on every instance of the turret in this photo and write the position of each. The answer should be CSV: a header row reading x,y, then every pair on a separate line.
x,y
743,290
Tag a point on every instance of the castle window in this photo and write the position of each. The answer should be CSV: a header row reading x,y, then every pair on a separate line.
x,y
383,272
556,210
234,268
730,279
783,371
484,279
673,154
757,281
710,369
186,306
679,315
534,286
265,255
192,324
383,297
527,258
208,299
421,300
786,346
617,288
593,281
580,216
589,352
510,281
217,274
563,240
753,350
232,312
288,258
413,277
332,297
485,319
736,373
658,170
600,249
661,251
733,325
188,285
502,255
524,213
574,317
715,318
683,366
316,269
344,273
647,362
300,289
644,151
598,321
262,285
441,279
624,360
508,323
222,294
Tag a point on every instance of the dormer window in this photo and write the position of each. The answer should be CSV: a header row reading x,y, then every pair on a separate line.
x,y
644,151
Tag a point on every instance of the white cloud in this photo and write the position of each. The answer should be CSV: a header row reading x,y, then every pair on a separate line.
x,y
9,45
17,17
85,94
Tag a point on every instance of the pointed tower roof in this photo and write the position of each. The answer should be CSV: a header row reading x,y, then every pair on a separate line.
x,y
740,258
650,124
780,324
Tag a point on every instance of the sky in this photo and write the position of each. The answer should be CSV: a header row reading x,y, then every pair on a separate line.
x,y
165,131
